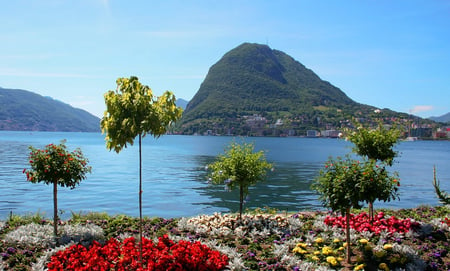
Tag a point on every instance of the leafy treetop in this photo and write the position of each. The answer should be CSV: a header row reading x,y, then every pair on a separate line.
x,y
375,144
339,184
55,164
132,110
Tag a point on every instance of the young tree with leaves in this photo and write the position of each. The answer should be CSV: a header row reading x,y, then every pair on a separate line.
x,y
338,185
377,146
133,111
57,166
377,183
239,167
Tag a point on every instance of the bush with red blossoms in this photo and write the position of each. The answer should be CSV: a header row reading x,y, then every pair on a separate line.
x,y
114,255
361,222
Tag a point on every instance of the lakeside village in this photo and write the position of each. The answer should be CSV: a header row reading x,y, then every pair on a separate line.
x,y
257,125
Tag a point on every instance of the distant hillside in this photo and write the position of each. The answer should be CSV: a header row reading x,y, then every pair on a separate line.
x,y
443,118
255,90
181,103
22,110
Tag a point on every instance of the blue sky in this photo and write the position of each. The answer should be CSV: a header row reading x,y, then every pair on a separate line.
x,y
389,54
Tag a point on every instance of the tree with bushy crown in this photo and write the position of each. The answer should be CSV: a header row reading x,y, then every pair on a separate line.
x,y
377,145
133,111
339,187
239,167
57,166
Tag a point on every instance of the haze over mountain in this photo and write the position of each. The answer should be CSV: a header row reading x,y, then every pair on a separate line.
x,y
22,110
443,118
255,90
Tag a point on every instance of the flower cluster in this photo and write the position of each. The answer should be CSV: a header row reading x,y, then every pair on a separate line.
x,y
34,234
320,251
222,225
390,256
361,223
446,220
114,255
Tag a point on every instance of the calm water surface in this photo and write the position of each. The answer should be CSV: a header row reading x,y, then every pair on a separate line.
x,y
175,180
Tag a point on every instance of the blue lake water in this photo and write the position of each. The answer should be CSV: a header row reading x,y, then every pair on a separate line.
x,y
174,181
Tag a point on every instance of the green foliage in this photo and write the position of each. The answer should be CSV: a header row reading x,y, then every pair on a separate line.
x,y
376,144
239,167
376,183
443,196
55,164
339,184
132,110
15,221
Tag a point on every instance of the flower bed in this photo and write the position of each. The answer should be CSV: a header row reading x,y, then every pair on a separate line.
x,y
361,222
114,255
411,239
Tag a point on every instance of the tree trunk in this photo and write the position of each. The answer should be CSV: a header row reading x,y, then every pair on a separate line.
x,y
241,200
140,199
371,212
347,233
55,210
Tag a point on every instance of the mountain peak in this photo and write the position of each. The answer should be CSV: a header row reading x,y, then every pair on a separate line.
x,y
256,90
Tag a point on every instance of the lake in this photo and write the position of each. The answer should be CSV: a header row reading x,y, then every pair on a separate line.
x,y
175,181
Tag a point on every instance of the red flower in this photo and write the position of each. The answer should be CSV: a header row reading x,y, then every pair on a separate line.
x,y
166,255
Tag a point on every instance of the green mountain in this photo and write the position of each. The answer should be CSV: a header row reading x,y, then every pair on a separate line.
x,y
255,90
22,110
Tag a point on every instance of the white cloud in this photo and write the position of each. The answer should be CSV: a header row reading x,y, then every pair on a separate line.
x,y
421,108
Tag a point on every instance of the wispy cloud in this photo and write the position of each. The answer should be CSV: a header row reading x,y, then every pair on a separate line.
x,y
421,108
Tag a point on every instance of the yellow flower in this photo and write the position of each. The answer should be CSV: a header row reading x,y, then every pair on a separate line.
x,y
319,240
345,244
383,267
315,258
363,241
336,240
303,245
316,252
387,247
332,260
326,250
359,267
299,250
341,248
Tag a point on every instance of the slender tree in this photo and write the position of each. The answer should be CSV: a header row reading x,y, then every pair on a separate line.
x,y
133,111
239,167
338,186
57,166
377,145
